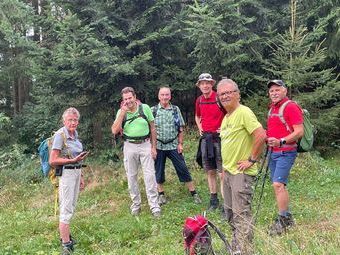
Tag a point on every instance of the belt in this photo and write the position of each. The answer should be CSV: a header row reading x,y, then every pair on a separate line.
x,y
72,167
137,141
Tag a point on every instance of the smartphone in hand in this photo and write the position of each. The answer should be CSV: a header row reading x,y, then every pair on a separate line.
x,y
82,154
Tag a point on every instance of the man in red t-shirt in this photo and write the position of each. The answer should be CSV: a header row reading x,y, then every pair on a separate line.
x,y
208,117
282,139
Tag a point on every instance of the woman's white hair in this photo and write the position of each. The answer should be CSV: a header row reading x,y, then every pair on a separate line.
x,y
69,111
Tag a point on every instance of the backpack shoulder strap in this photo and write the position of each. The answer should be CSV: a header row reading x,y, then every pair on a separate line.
x,y
141,113
280,114
175,113
281,111
155,110
65,144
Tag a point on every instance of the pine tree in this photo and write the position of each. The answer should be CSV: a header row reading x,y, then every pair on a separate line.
x,y
298,61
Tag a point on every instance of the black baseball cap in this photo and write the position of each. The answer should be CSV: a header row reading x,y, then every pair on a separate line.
x,y
276,82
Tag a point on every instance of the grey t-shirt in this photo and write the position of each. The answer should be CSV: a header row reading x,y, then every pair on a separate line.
x,y
74,146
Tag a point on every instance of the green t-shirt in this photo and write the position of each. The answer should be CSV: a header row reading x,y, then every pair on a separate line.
x,y
139,127
236,139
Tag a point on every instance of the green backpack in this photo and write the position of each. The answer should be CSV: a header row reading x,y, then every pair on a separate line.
x,y
305,143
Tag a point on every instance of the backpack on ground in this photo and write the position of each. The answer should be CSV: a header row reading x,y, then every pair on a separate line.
x,y
47,170
305,143
197,237
177,122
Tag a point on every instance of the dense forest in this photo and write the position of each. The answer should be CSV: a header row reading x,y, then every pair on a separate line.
x,y
81,53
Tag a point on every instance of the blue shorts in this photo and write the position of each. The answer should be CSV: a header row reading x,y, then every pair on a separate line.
x,y
178,162
280,164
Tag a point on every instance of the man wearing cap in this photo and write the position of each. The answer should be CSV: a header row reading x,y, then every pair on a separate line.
x,y
282,140
242,142
169,126
208,117
137,122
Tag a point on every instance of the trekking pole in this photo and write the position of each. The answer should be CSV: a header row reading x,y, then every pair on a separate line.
x,y
261,169
222,236
269,152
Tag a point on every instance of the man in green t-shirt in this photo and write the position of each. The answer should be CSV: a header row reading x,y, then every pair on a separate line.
x,y
242,141
139,133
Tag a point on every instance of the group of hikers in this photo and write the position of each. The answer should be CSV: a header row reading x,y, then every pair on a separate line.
x,y
232,141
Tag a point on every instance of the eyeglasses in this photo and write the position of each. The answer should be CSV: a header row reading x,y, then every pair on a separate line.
x,y
226,93
72,120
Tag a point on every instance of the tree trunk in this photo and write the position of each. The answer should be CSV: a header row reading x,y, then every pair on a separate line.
x,y
15,95
36,36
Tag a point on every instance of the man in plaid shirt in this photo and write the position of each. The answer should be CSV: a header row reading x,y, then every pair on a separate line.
x,y
169,126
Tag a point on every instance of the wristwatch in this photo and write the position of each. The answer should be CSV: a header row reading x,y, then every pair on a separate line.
x,y
282,142
252,160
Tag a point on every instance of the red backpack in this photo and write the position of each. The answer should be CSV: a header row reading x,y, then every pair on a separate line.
x,y
197,237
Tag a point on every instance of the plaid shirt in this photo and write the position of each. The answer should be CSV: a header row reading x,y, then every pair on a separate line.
x,y
165,126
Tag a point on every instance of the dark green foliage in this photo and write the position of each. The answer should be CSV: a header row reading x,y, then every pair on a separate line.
x,y
82,53
5,130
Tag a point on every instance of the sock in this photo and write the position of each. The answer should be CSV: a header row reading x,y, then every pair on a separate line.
x,y
284,213
67,244
161,193
213,196
193,192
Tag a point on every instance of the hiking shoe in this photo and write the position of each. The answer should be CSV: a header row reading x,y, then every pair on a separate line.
x,y
72,240
135,212
156,214
213,204
67,248
281,225
162,200
197,199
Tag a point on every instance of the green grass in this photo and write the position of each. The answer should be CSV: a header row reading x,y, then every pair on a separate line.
x,y
103,224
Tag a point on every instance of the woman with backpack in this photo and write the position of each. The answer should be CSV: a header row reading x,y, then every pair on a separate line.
x,y
66,156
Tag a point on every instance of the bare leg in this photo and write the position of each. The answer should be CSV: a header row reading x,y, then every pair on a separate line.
x,y
64,230
211,175
221,175
282,197
160,187
190,185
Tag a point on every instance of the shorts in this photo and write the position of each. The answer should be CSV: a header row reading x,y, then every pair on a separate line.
x,y
280,164
178,162
215,162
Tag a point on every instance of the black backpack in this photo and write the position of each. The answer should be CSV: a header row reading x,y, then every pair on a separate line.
x,y
140,115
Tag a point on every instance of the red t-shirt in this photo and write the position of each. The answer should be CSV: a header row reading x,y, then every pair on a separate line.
x,y
275,128
210,113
